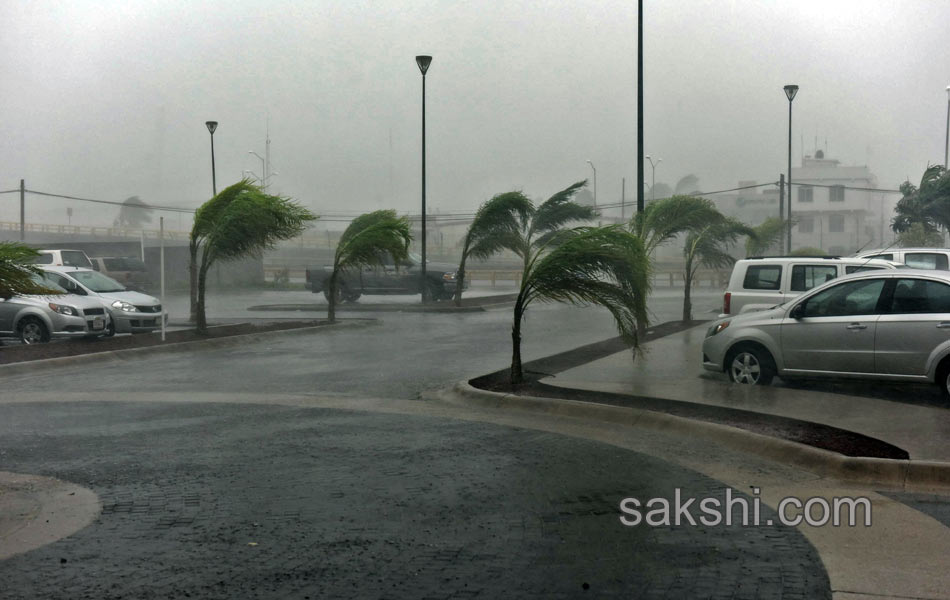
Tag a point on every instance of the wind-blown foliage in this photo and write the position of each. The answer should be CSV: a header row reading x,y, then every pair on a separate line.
x,y
687,185
17,272
927,205
658,192
606,266
664,219
544,225
494,228
708,246
768,237
919,236
242,221
365,243
133,213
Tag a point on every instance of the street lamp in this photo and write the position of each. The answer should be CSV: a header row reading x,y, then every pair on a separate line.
x,y
790,92
423,62
212,125
263,169
653,180
946,143
595,182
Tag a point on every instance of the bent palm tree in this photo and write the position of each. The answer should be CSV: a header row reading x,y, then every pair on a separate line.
x,y
606,266
768,234
242,221
494,228
17,273
707,246
365,243
665,219
543,226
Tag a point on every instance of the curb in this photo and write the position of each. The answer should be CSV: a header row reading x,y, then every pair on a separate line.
x,y
908,475
32,366
375,308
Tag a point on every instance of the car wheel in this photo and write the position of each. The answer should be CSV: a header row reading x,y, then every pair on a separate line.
x,y
33,331
943,379
436,291
110,328
750,366
351,296
339,294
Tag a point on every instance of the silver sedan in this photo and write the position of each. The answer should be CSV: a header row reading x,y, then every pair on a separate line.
x,y
888,325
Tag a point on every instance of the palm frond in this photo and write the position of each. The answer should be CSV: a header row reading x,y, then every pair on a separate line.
x,y
496,225
686,185
664,219
17,273
560,210
370,237
767,234
707,246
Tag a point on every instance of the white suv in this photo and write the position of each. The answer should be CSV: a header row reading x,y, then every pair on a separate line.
x,y
931,259
761,283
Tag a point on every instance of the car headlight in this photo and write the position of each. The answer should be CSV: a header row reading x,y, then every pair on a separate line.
x,y
64,310
449,276
717,328
119,304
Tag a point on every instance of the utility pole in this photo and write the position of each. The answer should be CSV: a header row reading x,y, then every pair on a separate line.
x,y
640,106
22,211
623,197
781,197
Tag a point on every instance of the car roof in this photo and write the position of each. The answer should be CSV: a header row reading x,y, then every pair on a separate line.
x,y
887,250
60,250
846,260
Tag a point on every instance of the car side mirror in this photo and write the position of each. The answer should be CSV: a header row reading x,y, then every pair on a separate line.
x,y
798,312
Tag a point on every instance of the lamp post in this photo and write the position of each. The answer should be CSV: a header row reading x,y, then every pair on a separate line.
x,y
653,176
423,62
263,169
946,143
595,182
212,125
790,92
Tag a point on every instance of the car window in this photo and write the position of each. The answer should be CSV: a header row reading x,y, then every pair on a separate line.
x,y
74,258
805,277
62,282
849,298
44,259
112,264
926,260
46,282
884,256
860,269
762,277
920,296
97,282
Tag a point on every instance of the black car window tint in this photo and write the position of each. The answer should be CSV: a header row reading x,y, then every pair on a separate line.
x,y
845,299
762,277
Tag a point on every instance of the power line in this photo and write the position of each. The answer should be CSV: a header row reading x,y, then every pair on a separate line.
x,y
113,203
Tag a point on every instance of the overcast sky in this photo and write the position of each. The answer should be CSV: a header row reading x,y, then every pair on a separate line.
x,y
109,99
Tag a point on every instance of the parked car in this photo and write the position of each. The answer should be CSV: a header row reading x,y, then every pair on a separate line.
x,y
130,311
760,283
917,258
35,319
130,271
887,324
391,278
60,258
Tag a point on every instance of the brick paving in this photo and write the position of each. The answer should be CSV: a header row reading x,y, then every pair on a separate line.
x,y
239,501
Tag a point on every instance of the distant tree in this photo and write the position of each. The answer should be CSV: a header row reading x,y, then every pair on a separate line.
x,y
918,235
658,192
927,205
495,227
365,243
708,246
768,237
242,221
18,274
808,251
133,213
688,185
606,266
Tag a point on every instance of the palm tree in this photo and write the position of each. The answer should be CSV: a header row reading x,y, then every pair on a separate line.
x,y
133,213
927,205
495,226
768,234
606,266
707,246
543,226
17,273
242,221
365,243
665,219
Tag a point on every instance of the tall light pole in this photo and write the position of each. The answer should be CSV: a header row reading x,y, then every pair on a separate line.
x,y
595,182
212,125
790,91
653,176
263,169
423,62
640,107
946,143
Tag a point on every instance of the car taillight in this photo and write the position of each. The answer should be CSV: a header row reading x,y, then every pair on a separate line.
x,y
726,301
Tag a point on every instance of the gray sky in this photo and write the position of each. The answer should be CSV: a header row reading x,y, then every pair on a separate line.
x,y
109,99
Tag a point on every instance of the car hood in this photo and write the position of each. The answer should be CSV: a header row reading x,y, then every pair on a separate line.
x,y
81,302
136,298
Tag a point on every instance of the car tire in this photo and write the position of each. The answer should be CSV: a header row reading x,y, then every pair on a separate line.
x,y
351,296
33,331
943,379
436,291
750,365
110,329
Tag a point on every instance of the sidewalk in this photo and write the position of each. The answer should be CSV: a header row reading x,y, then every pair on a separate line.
x,y
671,368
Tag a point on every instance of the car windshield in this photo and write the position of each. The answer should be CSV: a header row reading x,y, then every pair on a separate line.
x,y
43,280
96,281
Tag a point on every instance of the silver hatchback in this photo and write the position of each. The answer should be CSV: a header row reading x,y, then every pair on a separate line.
x,y
889,325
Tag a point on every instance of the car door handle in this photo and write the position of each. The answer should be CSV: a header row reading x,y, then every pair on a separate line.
x,y
856,326
943,325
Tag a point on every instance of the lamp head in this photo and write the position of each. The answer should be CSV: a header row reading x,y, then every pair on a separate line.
x,y
423,61
790,91
211,125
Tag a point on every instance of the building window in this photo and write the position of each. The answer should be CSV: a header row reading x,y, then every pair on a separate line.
x,y
806,225
805,193
836,223
836,193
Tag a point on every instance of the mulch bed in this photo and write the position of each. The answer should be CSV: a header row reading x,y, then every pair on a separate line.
x,y
816,435
15,354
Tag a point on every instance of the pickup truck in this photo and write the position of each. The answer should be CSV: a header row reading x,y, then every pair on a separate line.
x,y
390,278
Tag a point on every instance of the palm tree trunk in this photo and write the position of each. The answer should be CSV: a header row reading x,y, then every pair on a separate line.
x,y
331,299
193,281
201,319
460,282
687,302
517,373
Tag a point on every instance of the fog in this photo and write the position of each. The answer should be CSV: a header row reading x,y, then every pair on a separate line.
x,y
109,99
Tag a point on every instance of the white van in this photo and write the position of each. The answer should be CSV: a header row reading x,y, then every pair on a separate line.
x,y
63,258
931,259
763,282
